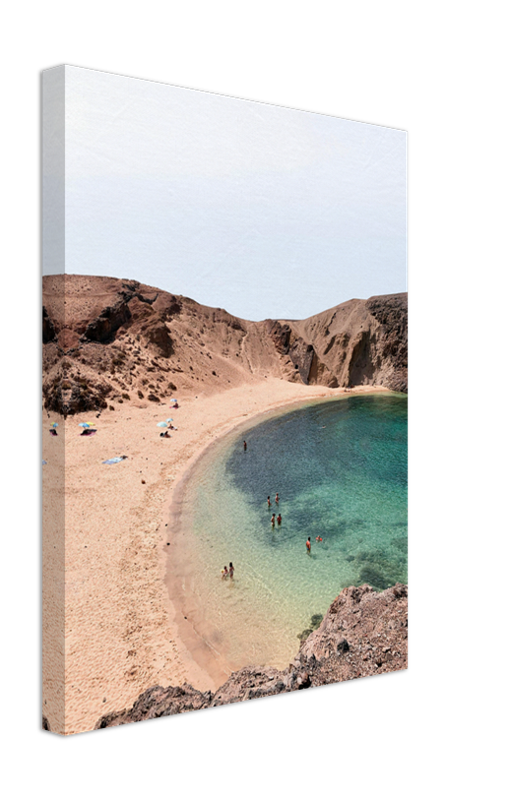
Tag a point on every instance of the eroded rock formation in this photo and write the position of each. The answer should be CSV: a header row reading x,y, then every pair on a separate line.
x,y
104,339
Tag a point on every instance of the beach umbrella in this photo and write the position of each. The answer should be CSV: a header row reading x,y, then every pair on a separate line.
x,y
54,424
170,419
162,425
84,424
173,400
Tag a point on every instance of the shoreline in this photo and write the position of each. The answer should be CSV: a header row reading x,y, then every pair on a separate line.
x,y
122,632
211,660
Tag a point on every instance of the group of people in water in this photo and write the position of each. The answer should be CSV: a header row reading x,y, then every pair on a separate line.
x,y
274,519
227,572
308,543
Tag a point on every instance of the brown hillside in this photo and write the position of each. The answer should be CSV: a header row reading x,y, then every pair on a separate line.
x,y
109,341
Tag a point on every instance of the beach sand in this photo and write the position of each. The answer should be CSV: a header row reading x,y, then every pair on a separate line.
x,y
123,633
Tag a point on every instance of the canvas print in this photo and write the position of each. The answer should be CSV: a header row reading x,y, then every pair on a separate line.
x,y
224,400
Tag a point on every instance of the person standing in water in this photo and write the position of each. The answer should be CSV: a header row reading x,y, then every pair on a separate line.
x,y
224,572
308,545
245,445
273,520
268,502
277,497
279,519
231,570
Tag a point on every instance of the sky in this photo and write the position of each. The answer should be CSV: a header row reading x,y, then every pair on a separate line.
x,y
265,211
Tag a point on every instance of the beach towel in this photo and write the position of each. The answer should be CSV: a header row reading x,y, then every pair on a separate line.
x,y
44,462
53,432
88,432
114,460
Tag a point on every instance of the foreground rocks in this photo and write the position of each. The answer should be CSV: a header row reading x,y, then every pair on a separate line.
x,y
363,633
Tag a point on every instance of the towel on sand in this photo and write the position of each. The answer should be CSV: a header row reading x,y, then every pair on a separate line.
x,y
114,460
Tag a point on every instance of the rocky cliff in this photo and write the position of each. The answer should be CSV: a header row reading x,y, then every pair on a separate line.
x,y
108,341
363,633
357,342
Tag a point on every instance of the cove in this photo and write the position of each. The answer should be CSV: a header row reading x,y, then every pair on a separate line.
x,y
340,468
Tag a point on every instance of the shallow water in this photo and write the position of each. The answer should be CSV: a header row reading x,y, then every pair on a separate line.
x,y
340,468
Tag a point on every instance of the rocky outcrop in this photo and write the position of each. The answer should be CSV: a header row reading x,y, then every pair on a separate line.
x,y
158,702
391,312
104,327
280,335
363,633
48,328
359,342
302,354
157,334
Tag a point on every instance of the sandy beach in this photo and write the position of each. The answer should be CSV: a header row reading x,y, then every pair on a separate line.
x,y
123,633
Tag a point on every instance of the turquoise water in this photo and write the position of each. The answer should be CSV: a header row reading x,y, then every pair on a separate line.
x,y
340,468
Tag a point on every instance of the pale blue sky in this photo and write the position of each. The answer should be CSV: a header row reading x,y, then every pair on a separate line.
x,y
262,210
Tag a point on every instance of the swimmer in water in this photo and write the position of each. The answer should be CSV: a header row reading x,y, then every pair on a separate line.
x,y
319,539
308,545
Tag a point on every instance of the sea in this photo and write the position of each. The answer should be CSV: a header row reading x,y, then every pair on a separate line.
x,y
340,469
